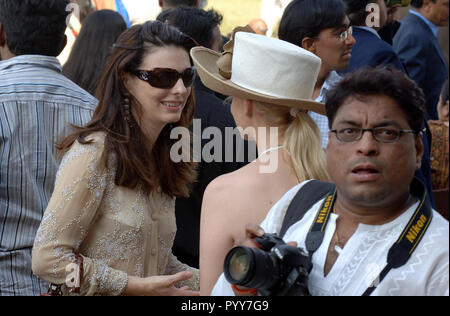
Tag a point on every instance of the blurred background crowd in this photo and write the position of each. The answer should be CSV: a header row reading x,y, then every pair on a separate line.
x,y
235,12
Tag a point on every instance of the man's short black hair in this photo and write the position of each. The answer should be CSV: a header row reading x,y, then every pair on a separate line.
x,y
307,18
197,23
177,3
419,3
383,80
34,27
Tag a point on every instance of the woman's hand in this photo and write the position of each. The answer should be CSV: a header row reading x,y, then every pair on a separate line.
x,y
160,285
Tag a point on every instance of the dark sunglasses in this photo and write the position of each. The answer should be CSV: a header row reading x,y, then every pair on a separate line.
x,y
166,78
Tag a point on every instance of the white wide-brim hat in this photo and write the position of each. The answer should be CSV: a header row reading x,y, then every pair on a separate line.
x,y
262,69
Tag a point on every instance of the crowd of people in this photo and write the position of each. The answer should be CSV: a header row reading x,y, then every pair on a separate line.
x,y
346,110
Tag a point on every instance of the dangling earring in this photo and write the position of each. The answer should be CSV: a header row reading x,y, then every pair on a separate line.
x,y
126,107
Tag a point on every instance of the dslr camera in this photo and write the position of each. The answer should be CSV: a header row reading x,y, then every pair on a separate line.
x,y
274,268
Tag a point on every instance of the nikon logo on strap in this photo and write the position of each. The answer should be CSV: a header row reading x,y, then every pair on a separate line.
x,y
324,210
416,229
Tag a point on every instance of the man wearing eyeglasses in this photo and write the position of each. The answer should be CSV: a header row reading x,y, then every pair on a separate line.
x,y
323,28
375,146
374,231
367,17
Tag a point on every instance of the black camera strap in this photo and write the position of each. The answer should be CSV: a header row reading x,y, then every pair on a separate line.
x,y
401,250
311,192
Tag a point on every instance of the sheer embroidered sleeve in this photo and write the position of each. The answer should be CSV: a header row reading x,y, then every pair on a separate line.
x,y
71,213
175,266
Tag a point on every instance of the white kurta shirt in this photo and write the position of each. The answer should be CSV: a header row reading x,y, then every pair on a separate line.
x,y
365,255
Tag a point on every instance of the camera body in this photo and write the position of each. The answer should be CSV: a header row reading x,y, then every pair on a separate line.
x,y
274,268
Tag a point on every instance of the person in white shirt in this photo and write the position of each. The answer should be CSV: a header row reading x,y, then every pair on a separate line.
x,y
374,148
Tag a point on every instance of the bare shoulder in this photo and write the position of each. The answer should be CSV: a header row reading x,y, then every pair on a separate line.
x,y
234,184
232,194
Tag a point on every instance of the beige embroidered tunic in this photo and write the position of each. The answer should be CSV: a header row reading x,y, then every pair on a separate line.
x,y
118,231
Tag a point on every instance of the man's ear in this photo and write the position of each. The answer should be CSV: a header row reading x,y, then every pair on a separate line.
x,y
309,44
160,2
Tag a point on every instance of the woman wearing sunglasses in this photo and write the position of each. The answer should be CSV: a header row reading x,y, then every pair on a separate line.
x,y
111,216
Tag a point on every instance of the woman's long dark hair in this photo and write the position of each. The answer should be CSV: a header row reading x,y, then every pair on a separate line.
x,y
135,164
94,43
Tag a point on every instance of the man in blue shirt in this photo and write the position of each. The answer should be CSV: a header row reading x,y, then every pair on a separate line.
x,y
38,105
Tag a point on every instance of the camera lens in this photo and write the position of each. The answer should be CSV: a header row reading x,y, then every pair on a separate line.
x,y
238,264
251,267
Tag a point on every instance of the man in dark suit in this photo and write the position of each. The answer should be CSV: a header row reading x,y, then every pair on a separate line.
x,y
370,50
417,45
210,111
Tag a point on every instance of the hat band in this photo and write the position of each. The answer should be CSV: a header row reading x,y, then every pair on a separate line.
x,y
257,90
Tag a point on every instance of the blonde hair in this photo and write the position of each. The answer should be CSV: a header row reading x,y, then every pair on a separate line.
x,y
301,139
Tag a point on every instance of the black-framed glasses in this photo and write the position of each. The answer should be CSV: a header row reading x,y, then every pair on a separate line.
x,y
381,134
166,78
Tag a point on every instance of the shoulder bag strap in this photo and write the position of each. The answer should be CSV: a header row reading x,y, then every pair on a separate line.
x,y
305,198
